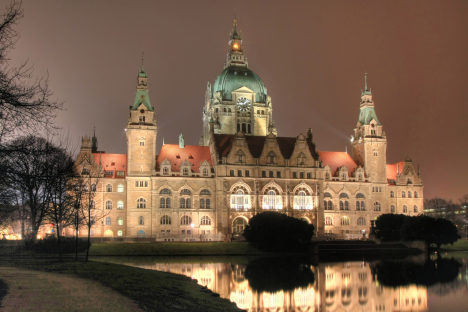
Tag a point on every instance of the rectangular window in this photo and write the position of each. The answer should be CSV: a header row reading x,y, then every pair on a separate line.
x,y
271,174
146,183
188,232
232,173
203,232
294,175
301,174
309,175
121,173
183,231
163,232
168,231
278,174
109,173
239,173
263,174
136,183
247,173
208,232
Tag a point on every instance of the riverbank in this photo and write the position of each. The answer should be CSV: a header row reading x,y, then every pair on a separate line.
x,y
174,249
459,245
150,290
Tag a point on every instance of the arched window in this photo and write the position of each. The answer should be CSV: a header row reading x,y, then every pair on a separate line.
x,y
271,199
208,203
165,191
415,208
249,129
328,221
271,157
165,220
185,192
244,128
327,194
108,188
108,221
263,112
120,188
392,208
327,205
360,195
363,207
403,194
416,194
392,194
240,199
341,205
327,175
120,205
238,127
344,195
344,221
182,203
225,110
168,203
108,204
119,221
330,205
205,220
346,205
377,206
205,192
205,172
202,203
302,200
162,203
141,203
409,194
185,220
119,233
405,208
358,206
141,220
188,203
361,221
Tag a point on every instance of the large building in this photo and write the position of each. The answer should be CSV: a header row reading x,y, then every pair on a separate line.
x,y
242,167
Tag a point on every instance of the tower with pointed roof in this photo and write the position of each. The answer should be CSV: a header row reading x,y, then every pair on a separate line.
x,y
141,130
369,141
238,100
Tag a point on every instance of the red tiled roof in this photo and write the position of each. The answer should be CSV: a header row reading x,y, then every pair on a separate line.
x,y
337,159
392,170
256,143
112,162
196,155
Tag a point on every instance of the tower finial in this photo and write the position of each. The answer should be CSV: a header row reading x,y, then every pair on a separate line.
x,y
365,80
142,60
94,131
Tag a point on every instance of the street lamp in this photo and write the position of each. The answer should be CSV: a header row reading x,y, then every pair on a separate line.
x,y
192,226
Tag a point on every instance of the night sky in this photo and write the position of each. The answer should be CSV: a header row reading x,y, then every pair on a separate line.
x,y
311,55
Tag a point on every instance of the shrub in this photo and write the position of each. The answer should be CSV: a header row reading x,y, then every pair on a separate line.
x,y
276,231
50,245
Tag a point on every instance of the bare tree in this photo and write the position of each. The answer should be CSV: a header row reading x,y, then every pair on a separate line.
x,y
25,101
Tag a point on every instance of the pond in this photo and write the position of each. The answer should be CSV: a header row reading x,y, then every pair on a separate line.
x,y
277,284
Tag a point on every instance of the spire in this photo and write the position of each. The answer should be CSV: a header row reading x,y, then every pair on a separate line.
x,y
142,96
94,145
181,141
234,34
365,80
366,91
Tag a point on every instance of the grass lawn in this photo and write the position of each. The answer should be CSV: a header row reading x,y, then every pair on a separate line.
x,y
173,249
461,244
151,290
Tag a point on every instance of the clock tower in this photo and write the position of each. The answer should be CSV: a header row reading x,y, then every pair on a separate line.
x,y
238,99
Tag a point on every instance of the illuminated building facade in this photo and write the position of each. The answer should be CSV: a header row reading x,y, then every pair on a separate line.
x,y
241,167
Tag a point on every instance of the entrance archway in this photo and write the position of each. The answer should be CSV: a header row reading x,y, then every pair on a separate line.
x,y
238,225
108,233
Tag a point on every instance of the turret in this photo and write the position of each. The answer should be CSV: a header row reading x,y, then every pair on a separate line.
x,y
369,141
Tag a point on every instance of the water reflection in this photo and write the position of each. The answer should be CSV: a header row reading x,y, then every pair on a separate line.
x,y
286,285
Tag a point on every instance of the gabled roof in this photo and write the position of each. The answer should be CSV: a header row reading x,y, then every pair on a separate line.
x,y
392,170
256,143
195,154
337,159
112,162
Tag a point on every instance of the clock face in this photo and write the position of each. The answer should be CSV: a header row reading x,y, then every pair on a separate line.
x,y
244,104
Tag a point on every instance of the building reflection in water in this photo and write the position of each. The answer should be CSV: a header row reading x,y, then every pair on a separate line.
x,y
348,286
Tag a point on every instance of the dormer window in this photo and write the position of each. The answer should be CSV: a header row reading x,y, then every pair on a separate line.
x,y
271,158
185,172
142,118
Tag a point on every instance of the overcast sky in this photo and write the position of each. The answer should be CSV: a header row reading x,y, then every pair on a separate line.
x,y
311,55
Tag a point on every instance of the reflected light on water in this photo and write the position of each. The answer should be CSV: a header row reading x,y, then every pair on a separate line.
x,y
349,286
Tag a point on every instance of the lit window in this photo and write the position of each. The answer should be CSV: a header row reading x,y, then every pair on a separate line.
x,y
205,220
119,221
328,221
119,233
344,221
120,204
120,188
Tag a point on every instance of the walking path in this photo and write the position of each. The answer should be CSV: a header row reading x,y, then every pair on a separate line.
x,y
42,291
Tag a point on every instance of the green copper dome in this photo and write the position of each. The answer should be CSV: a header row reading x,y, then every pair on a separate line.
x,y
233,78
